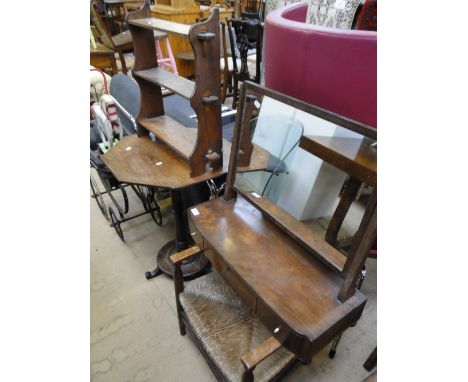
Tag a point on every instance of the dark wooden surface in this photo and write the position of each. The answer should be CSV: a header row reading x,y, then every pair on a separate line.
x,y
257,355
145,58
100,49
138,165
206,99
206,154
177,84
230,193
102,57
347,198
323,251
245,140
354,156
362,242
161,25
182,140
178,137
371,361
122,38
291,288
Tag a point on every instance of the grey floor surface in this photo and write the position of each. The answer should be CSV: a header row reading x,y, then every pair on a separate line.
x,y
134,330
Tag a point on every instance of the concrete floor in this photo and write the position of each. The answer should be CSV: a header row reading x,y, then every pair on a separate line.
x,y
134,330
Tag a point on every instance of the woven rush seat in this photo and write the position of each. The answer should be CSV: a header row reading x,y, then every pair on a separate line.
x,y
228,329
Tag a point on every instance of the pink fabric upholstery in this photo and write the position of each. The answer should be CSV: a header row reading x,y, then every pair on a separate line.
x,y
335,69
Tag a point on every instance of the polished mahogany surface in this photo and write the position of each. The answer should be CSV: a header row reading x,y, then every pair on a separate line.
x,y
282,274
139,160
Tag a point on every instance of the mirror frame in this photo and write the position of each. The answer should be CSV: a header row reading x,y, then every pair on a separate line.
x,y
249,92
249,89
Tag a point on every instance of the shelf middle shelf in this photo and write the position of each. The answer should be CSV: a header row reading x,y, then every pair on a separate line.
x,y
178,85
178,137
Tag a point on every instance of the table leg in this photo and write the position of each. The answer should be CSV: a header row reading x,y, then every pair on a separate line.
x,y
181,220
183,240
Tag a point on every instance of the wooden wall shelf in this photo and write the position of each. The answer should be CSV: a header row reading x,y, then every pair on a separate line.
x,y
204,152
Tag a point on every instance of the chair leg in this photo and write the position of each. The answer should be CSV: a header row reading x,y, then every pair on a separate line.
x,y
371,361
230,85
115,68
235,92
224,87
122,61
159,55
332,351
179,288
171,56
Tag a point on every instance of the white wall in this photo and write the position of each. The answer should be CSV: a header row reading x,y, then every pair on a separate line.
x,y
312,186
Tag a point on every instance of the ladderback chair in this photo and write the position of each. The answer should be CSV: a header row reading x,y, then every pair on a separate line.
x,y
245,38
119,42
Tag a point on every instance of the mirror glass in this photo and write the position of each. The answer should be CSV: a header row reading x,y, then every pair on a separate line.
x,y
276,168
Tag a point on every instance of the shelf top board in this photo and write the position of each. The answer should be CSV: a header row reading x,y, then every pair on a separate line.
x,y
177,84
162,25
354,156
292,283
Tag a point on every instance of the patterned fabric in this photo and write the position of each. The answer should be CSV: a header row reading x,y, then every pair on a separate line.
x,y
332,13
97,83
272,5
368,17
328,13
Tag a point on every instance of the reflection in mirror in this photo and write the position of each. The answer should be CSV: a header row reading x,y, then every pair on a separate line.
x,y
301,184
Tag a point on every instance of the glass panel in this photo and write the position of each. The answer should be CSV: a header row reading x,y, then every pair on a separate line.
x,y
291,177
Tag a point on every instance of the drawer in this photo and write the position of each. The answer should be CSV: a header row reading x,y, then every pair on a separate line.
x,y
230,277
241,290
289,339
215,260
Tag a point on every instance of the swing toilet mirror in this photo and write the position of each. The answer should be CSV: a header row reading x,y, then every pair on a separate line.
x,y
294,183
